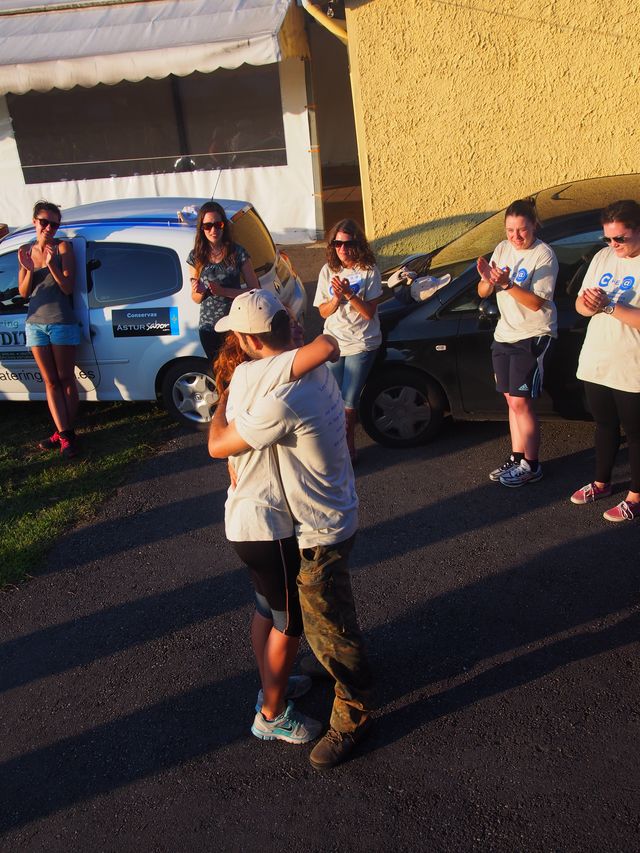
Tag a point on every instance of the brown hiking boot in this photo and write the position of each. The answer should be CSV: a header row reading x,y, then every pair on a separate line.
x,y
335,747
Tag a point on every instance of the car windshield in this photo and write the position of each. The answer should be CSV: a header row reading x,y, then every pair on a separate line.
x,y
480,240
565,200
251,232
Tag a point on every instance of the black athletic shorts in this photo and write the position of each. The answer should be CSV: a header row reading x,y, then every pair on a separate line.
x,y
519,367
274,570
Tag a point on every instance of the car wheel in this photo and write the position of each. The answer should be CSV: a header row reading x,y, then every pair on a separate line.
x,y
189,393
402,408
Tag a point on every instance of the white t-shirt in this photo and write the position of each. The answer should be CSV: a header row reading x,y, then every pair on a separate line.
x,y
534,269
610,353
256,509
305,422
353,332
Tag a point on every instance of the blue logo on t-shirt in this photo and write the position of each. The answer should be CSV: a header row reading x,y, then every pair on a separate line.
x,y
627,282
521,275
605,281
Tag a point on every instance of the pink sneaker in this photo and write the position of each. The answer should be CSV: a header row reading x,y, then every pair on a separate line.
x,y
590,493
67,448
624,511
51,443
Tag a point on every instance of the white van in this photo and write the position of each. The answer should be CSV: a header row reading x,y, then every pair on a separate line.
x,y
133,301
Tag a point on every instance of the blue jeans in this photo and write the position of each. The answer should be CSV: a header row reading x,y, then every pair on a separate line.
x,y
350,372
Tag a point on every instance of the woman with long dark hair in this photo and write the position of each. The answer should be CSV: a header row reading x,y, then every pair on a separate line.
x,y
347,296
610,357
522,273
216,265
47,278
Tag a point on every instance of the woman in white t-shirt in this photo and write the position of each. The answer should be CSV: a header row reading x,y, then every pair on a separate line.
x,y
609,362
347,296
522,273
258,521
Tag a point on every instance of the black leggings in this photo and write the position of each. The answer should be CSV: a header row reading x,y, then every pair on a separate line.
x,y
612,409
274,570
211,341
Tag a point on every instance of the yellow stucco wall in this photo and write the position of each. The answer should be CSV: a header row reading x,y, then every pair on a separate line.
x,y
464,105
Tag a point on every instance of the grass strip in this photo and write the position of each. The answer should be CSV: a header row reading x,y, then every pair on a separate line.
x,y
44,495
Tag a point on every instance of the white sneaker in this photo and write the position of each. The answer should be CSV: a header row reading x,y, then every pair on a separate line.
x,y
507,465
520,475
290,726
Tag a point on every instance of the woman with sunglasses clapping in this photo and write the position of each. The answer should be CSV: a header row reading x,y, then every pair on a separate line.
x,y
610,357
347,296
46,279
216,264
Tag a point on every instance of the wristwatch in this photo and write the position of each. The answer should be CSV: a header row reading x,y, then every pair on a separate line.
x,y
608,309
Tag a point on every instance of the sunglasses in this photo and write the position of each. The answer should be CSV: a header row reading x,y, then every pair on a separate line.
x,y
47,223
344,244
621,239
207,226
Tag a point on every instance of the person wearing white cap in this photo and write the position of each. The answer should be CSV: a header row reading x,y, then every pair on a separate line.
x,y
259,524
302,423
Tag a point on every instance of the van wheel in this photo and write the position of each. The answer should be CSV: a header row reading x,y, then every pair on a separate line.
x,y
402,408
189,393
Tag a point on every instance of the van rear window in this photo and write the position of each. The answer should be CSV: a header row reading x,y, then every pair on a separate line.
x,y
10,300
125,273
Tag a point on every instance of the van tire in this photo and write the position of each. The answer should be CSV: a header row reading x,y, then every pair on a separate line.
x,y
189,393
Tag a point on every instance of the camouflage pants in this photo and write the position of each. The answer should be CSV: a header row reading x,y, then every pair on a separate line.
x,y
331,628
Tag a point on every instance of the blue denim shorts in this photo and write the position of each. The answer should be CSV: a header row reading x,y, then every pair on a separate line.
x,y
44,334
350,372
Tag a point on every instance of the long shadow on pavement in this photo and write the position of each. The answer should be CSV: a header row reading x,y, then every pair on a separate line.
x,y
559,590
62,647
571,588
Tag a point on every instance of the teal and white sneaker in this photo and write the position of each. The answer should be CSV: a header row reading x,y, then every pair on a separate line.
x,y
290,726
297,686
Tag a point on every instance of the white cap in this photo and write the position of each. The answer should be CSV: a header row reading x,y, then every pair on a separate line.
x,y
251,313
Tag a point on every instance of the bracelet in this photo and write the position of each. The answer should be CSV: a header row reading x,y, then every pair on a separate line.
x,y
509,286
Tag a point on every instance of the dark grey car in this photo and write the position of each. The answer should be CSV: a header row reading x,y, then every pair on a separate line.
x,y
435,358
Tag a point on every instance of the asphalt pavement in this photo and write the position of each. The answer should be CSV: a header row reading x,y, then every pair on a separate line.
x,y
502,626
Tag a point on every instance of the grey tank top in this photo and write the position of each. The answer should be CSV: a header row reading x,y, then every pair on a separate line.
x,y
47,303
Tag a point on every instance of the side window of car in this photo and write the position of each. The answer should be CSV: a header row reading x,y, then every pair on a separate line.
x,y
466,301
125,273
10,300
574,255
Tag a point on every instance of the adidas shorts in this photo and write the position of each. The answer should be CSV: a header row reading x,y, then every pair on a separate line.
x,y
519,367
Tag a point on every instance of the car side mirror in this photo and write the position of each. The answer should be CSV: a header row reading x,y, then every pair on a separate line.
x,y
488,309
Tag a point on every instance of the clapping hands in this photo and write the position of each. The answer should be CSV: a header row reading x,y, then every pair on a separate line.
x,y
594,299
24,258
341,288
490,272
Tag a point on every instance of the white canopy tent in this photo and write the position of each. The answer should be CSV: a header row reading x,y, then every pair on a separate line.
x,y
60,44
56,44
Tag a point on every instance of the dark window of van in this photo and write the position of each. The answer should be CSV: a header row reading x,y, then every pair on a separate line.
x,y
228,119
125,273
10,300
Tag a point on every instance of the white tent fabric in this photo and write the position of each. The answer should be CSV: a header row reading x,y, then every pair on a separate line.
x,y
57,44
